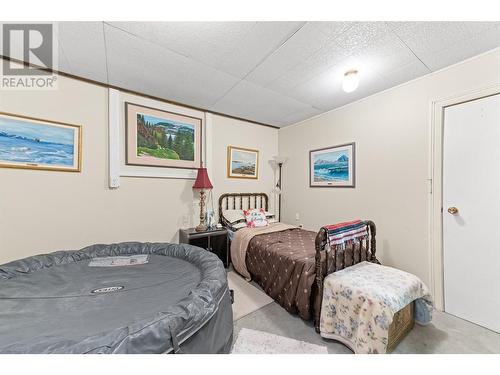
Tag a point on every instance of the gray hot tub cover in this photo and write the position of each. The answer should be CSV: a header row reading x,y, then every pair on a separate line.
x,y
48,302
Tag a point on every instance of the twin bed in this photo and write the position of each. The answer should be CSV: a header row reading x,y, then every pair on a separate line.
x,y
289,263
292,265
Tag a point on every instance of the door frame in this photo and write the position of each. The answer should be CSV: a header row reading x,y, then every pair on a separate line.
x,y
436,199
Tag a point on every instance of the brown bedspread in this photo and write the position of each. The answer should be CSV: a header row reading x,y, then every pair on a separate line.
x,y
283,264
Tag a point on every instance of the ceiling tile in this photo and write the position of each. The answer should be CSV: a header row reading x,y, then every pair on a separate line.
x,y
312,37
332,29
298,116
483,41
145,67
63,63
425,38
232,47
404,73
248,100
83,48
386,54
292,78
325,90
361,35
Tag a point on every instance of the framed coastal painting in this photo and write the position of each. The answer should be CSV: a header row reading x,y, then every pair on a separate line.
x,y
32,143
332,166
242,162
157,138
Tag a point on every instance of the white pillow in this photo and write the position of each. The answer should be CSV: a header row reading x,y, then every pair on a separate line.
x,y
256,218
233,216
239,225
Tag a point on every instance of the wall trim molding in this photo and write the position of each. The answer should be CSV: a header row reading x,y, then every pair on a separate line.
x,y
436,180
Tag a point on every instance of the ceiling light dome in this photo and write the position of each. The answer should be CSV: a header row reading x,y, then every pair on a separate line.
x,y
351,81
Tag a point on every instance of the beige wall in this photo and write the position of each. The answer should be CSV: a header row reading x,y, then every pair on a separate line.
x,y
43,211
229,132
392,135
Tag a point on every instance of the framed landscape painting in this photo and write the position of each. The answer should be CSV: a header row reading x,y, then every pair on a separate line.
x,y
242,163
332,166
156,138
31,143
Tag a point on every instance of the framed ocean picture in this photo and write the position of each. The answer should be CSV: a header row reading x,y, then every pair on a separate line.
x,y
332,166
242,162
31,143
157,138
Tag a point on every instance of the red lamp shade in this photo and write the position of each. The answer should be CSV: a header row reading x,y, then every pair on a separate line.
x,y
202,180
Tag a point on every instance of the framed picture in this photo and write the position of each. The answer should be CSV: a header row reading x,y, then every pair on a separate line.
x,y
332,166
31,143
242,162
156,138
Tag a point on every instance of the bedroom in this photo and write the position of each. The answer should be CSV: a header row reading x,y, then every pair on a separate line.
x,y
151,133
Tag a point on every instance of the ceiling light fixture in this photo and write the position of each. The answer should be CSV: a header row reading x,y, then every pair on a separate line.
x,y
351,81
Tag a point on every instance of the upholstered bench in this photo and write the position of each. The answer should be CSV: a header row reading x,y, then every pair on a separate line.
x,y
370,307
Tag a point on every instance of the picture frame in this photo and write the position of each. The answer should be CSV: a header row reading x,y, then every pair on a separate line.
x,y
158,138
34,143
242,163
333,166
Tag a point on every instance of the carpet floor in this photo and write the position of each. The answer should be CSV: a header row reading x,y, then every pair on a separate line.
x,y
247,297
446,334
250,341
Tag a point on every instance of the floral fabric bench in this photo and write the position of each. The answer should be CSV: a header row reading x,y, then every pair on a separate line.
x,y
360,302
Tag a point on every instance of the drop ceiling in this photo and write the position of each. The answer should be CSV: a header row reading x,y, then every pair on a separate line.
x,y
276,73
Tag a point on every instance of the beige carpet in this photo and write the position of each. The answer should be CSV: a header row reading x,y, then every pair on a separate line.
x,y
250,341
247,298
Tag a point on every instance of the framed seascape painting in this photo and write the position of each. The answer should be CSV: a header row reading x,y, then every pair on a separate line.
x,y
242,163
31,143
332,166
156,138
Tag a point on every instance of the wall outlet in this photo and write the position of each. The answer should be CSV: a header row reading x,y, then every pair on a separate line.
x,y
297,217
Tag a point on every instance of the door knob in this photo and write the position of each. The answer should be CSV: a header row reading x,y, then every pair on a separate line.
x,y
453,210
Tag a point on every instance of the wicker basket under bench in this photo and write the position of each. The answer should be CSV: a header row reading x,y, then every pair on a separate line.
x,y
331,261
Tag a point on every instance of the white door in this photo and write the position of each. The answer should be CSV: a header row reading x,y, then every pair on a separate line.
x,y
471,235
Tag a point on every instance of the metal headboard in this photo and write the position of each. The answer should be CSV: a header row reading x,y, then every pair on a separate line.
x,y
242,201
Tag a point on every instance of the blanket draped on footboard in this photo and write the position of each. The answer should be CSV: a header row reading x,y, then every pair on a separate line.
x,y
348,233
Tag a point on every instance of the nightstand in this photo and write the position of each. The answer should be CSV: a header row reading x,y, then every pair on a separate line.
x,y
213,240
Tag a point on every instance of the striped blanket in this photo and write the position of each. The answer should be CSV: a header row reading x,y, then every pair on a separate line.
x,y
343,234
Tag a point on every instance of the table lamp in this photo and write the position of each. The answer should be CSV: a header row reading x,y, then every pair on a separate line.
x,y
202,182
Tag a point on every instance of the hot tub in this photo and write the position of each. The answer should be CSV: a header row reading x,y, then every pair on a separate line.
x,y
120,298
